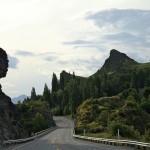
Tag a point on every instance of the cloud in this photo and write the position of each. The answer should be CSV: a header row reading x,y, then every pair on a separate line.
x,y
128,26
24,53
44,72
78,64
87,44
128,38
130,20
49,56
13,62
8,84
78,42
123,29
49,53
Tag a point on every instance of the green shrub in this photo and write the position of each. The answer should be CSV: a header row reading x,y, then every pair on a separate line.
x,y
94,127
125,130
39,123
146,136
146,106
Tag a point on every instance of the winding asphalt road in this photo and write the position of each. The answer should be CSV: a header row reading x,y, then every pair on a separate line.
x,y
61,139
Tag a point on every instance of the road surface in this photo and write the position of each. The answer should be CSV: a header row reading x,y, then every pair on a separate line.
x,y
61,139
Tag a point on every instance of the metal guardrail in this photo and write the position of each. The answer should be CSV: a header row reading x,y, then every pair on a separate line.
x,y
138,145
37,135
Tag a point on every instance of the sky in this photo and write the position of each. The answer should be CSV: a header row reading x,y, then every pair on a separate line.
x,y
46,36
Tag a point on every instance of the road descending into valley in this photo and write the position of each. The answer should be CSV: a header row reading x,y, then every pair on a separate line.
x,y
61,139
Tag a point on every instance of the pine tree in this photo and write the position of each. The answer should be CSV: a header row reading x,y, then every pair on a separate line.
x,y
62,81
146,93
54,99
75,98
55,84
73,75
47,94
33,94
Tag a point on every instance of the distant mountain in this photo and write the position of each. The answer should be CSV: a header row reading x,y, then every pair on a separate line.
x,y
16,99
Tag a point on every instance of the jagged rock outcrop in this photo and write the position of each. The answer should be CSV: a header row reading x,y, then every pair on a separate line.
x,y
3,63
117,61
9,125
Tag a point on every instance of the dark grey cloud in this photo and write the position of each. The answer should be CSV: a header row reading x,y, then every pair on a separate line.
x,y
13,62
122,36
24,53
129,39
126,19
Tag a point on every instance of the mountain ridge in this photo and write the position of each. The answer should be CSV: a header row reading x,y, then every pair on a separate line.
x,y
117,73
117,61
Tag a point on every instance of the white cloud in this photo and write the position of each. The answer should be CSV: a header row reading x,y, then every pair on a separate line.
x,y
8,84
44,72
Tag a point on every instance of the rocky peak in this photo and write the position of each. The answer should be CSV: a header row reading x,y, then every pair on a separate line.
x,y
117,61
117,56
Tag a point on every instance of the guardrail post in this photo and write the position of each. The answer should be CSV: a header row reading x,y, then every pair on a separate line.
x,y
84,132
118,134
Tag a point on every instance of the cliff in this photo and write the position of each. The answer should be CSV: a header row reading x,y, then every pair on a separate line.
x,y
9,125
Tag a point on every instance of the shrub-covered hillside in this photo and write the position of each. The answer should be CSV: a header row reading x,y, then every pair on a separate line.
x,y
119,74
108,114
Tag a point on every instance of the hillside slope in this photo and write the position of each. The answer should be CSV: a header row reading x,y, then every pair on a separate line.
x,y
118,73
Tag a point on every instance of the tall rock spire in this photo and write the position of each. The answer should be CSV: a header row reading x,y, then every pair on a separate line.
x,y
9,124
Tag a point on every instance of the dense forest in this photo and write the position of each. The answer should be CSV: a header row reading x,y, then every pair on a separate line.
x,y
116,96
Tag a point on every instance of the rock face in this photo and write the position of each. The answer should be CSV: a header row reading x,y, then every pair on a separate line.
x,y
3,63
117,61
9,125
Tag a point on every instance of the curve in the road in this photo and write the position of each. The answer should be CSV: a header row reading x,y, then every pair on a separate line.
x,y
61,139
